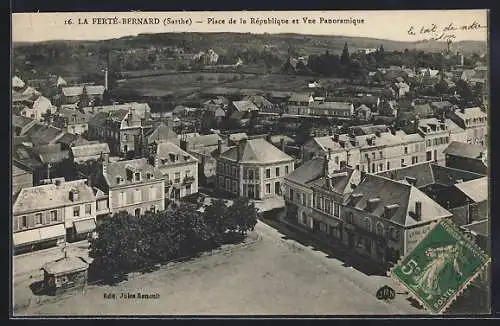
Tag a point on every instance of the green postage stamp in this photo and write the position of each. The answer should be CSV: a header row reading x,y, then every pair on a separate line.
x,y
440,267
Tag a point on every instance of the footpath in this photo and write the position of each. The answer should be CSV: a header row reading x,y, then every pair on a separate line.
x,y
24,297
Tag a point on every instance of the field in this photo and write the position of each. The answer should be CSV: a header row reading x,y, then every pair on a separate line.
x,y
178,83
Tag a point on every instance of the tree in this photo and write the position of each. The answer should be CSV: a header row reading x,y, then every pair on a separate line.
x,y
345,59
214,216
116,249
241,216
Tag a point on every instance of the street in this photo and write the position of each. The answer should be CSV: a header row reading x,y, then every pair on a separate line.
x,y
274,276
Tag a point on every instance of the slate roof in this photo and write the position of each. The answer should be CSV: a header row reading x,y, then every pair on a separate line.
x,y
428,173
20,121
340,181
300,97
368,129
78,90
90,150
332,105
80,117
204,140
25,156
41,134
464,150
256,151
392,192
307,172
141,109
479,227
422,109
477,189
452,126
49,196
118,169
442,105
259,101
161,133
169,154
470,113
98,120
238,136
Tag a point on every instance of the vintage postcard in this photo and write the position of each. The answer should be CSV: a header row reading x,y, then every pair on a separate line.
x,y
250,163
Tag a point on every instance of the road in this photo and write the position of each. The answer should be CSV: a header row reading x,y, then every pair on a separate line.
x,y
275,276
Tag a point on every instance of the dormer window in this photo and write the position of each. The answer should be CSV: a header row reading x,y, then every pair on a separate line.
x,y
137,176
73,195
149,175
119,180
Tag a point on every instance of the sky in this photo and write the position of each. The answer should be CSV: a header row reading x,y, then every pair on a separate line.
x,y
391,25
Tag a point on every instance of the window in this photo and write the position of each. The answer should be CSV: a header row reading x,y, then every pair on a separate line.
x,y
268,173
228,184
291,194
381,167
286,169
368,224
380,229
188,189
388,165
336,160
38,218
125,137
24,222
428,156
304,218
277,171
152,193
152,209
221,182
177,177
268,188
188,173
304,202
336,210
137,212
53,216
406,150
251,174
122,198
429,143
235,187
402,162
373,155
137,196
381,154
76,211
88,209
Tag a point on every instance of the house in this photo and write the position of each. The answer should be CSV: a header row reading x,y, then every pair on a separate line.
x,y
69,140
46,215
475,123
21,178
61,82
22,124
178,168
38,108
41,134
441,107
383,219
278,98
332,109
263,104
83,153
423,110
207,162
213,112
299,103
371,101
163,132
17,83
64,274
402,88
121,129
456,132
437,138
468,157
200,141
469,202
241,109
133,186
143,110
220,101
71,95
388,109
72,121
254,168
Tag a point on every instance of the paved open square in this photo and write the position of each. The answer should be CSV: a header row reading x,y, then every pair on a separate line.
x,y
274,276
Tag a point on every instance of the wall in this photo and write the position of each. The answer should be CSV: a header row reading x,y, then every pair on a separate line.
x,y
169,172
69,213
46,219
144,203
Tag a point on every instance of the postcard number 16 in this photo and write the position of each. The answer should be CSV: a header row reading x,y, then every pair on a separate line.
x,y
410,267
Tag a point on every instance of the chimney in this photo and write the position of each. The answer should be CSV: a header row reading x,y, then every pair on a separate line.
x,y
390,209
411,180
106,78
418,210
238,151
219,146
355,198
282,143
372,203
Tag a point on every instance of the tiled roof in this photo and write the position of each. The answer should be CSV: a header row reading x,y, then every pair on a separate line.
x,y
78,90
307,172
20,121
448,176
70,113
243,106
67,138
118,169
332,105
51,196
477,189
368,129
53,157
300,97
90,150
17,171
259,100
26,156
256,151
391,192
452,126
464,150
470,113
161,133
204,140
340,181
17,82
41,134
422,109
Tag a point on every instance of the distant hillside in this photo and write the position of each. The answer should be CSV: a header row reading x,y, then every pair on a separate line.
x,y
64,56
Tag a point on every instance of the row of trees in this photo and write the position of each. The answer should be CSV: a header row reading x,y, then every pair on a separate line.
x,y
128,243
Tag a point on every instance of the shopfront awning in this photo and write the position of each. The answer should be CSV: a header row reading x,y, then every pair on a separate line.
x,y
26,237
40,234
84,226
52,232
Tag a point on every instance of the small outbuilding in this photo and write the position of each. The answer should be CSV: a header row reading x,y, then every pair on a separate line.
x,y
64,274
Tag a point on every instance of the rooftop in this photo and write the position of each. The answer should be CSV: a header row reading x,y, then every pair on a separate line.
x,y
169,153
49,196
470,113
256,151
66,265
90,150
307,172
116,172
464,150
476,189
243,106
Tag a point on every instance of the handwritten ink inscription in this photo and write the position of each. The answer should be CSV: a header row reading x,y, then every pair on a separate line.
x,y
434,32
